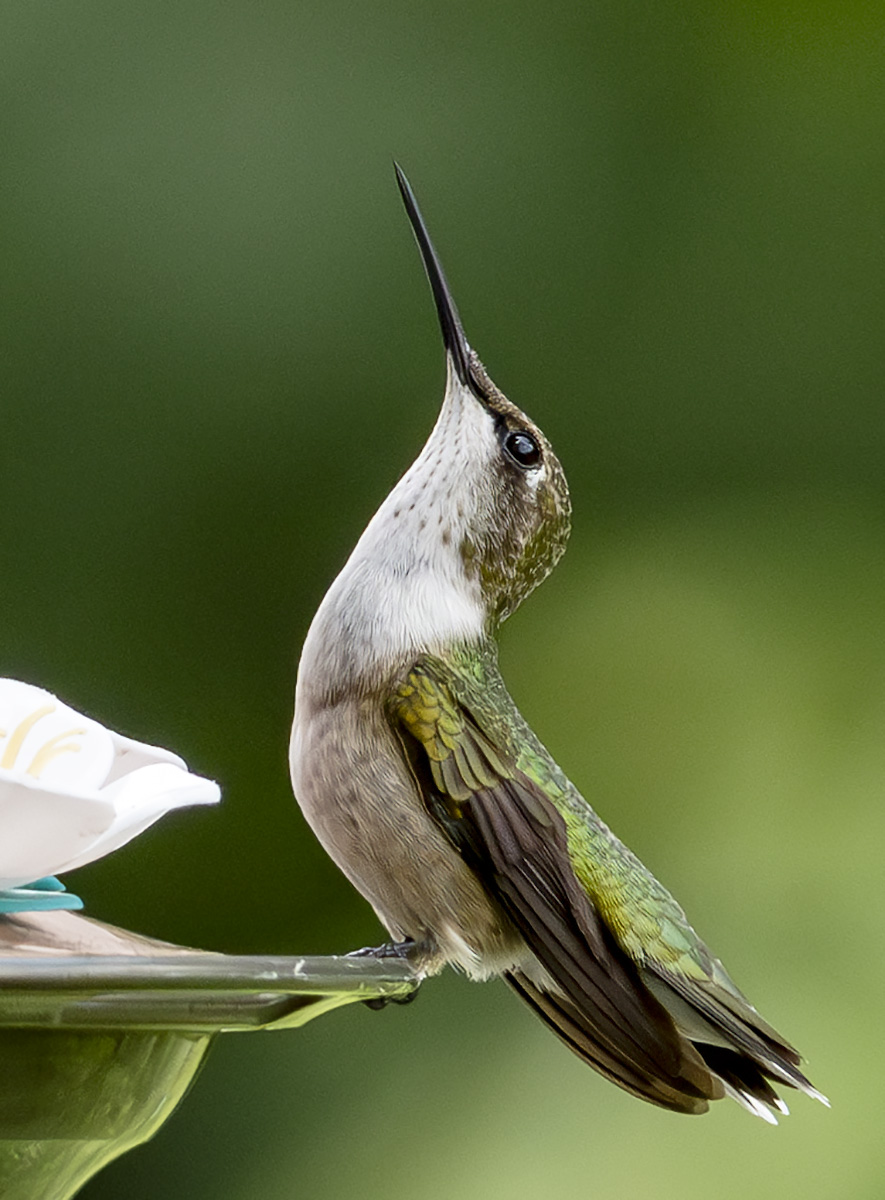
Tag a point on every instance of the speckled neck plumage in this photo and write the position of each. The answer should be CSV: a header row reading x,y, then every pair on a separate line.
x,y
456,546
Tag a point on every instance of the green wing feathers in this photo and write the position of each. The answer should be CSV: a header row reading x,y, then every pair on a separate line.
x,y
626,983
516,841
461,759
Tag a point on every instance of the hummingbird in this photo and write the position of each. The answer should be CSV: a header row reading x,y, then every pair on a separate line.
x,y
426,786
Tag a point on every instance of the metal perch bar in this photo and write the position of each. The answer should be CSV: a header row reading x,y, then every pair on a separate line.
x,y
102,1032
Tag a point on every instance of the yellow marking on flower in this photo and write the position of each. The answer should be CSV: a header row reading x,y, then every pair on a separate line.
x,y
10,754
51,750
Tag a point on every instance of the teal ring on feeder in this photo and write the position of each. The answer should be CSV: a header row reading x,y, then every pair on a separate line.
x,y
46,895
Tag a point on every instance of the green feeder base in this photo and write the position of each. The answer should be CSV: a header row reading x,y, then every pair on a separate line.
x,y
103,1031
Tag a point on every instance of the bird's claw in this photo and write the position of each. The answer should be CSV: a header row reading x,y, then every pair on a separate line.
x,y
400,950
403,952
379,1002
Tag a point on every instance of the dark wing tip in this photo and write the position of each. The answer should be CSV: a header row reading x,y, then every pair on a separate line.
x,y
450,323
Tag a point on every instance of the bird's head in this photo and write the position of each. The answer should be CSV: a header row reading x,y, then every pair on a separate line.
x,y
487,496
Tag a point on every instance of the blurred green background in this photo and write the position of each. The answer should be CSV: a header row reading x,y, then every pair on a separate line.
x,y
664,227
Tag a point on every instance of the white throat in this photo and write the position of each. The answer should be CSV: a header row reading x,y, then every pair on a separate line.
x,y
404,590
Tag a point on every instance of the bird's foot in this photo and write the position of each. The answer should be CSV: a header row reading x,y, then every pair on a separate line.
x,y
379,1002
402,950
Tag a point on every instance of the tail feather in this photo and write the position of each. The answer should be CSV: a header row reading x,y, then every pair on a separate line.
x,y
744,1051
745,1070
744,1081
687,1093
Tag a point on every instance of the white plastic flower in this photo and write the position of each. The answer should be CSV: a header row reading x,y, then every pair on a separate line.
x,y
72,791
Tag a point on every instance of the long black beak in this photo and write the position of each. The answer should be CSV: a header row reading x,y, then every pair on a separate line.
x,y
453,333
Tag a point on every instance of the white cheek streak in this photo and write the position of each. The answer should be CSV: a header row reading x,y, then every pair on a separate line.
x,y
535,478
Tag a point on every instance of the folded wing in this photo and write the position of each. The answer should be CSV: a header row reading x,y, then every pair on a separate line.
x,y
590,991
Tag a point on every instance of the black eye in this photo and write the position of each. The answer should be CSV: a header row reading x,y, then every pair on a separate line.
x,y
522,448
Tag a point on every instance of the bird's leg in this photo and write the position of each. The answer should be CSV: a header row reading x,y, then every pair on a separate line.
x,y
404,951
